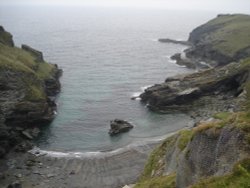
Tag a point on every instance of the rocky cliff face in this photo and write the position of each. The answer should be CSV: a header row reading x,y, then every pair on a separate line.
x,y
218,42
216,152
202,93
6,37
27,93
210,149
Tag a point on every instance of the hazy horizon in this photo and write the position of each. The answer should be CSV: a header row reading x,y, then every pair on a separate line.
x,y
224,6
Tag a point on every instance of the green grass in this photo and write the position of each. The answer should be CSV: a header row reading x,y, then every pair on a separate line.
x,y
158,182
184,138
222,115
239,178
230,35
156,161
30,74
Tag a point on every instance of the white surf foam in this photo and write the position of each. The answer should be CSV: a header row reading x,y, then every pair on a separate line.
x,y
141,146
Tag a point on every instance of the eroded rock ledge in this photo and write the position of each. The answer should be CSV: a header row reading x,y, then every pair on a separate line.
x,y
209,91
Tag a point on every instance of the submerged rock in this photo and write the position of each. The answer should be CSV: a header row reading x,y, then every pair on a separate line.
x,y
119,126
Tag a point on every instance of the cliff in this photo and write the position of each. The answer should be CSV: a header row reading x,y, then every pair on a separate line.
x,y
216,151
213,154
218,42
28,86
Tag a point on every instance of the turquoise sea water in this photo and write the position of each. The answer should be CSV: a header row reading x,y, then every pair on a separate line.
x,y
107,56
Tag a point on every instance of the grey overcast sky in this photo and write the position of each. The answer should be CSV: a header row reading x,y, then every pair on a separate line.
x,y
241,6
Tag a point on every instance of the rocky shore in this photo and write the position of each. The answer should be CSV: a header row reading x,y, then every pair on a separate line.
x,y
45,169
216,152
28,89
200,94
215,43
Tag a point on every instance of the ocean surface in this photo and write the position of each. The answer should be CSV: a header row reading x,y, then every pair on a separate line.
x,y
107,55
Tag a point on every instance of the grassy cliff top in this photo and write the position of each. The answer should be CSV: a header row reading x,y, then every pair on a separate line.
x,y
228,34
25,70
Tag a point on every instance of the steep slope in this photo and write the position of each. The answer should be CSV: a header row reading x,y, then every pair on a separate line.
x,y
216,152
218,42
223,39
210,149
27,90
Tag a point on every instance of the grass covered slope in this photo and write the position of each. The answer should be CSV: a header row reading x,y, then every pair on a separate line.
x,y
33,74
225,38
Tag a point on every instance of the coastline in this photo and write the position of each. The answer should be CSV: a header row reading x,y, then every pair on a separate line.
x,y
46,169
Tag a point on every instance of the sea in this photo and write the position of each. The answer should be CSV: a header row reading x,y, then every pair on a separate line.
x,y
108,55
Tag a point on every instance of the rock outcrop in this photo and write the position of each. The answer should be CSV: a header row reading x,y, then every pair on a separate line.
x,y
175,41
28,86
6,37
119,126
218,42
222,88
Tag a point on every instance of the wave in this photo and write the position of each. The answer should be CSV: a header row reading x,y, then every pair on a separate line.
x,y
136,95
142,146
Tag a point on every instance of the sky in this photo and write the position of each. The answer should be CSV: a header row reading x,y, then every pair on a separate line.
x,y
241,6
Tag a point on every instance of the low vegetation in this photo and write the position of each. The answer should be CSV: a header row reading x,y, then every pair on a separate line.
x,y
156,161
240,178
158,182
23,65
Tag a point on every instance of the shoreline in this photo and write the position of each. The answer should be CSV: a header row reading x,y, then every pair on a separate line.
x,y
46,169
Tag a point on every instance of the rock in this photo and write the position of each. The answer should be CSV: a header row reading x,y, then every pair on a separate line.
x,y
50,175
6,37
35,132
2,151
15,184
186,43
37,172
19,175
2,176
119,126
37,54
27,134
191,63
179,93
24,146
4,133
72,172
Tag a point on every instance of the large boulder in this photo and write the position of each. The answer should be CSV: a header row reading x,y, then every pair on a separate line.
x,y
119,126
